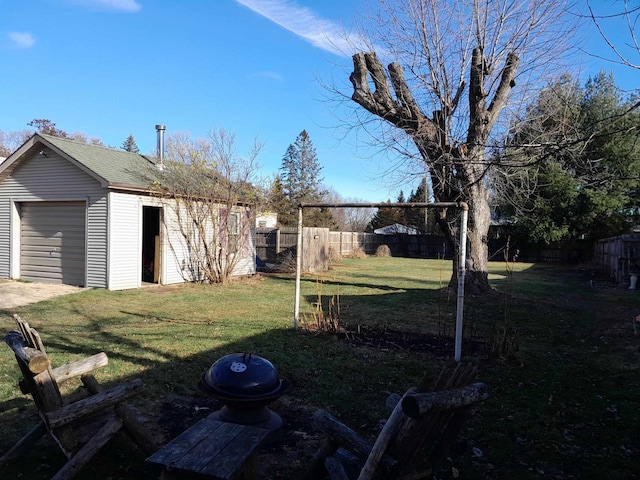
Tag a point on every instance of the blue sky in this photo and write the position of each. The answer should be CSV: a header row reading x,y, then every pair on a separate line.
x,y
111,68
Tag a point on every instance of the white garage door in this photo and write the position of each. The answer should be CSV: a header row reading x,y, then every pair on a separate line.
x,y
52,242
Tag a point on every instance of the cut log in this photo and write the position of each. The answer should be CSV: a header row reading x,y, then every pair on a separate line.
x,y
88,451
134,427
79,367
346,437
93,404
314,468
335,469
392,400
385,436
417,404
36,360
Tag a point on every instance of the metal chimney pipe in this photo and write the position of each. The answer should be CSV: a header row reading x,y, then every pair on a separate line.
x,y
160,129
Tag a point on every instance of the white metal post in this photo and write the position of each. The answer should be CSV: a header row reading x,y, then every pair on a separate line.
x,y
296,305
462,268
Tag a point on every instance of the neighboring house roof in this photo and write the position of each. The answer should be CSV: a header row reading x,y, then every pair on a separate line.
x,y
113,168
396,228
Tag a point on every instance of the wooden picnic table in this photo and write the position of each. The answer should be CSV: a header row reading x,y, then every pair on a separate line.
x,y
221,450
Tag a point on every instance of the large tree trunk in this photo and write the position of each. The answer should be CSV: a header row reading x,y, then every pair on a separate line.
x,y
476,279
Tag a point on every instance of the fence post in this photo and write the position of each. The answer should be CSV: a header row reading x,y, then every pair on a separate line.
x,y
277,241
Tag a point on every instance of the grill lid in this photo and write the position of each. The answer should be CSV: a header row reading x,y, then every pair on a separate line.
x,y
243,375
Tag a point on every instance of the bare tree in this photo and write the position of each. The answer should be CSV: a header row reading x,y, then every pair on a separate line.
x,y
348,219
10,141
626,19
442,52
207,187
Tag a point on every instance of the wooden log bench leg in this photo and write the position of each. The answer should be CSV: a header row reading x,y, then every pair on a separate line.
x,y
213,449
86,453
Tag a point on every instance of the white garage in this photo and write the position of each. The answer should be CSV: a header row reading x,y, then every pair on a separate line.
x,y
85,215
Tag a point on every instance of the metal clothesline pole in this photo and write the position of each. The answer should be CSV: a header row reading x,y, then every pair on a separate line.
x,y
462,268
296,307
461,254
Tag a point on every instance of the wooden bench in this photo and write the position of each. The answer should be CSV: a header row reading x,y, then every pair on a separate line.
x,y
220,450
81,423
414,439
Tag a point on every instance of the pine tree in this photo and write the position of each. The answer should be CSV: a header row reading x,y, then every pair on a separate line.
x,y
129,145
301,182
418,217
386,216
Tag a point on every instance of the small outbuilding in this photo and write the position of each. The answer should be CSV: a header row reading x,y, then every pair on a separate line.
x,y
83,214
395,229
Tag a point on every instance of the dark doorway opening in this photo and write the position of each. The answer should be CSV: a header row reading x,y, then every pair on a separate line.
x,y
151,244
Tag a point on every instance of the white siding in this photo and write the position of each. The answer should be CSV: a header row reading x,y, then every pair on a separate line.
x,y
175,251
177,260
48,177
247,264
5,235
97,242
125,241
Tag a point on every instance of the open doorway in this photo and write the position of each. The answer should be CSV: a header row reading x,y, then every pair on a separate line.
x,y
151,244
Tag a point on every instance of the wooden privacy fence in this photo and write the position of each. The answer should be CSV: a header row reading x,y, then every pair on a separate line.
x,y
400,244
271,243
344,243
274,245
616,256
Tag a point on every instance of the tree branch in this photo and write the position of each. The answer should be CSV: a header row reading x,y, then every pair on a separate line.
x,y
507,82
404,112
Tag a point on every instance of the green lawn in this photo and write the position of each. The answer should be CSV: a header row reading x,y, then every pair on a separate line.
x,y
566,406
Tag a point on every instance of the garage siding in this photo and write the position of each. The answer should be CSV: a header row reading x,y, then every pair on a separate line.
x,y
47,177
5,235
97,242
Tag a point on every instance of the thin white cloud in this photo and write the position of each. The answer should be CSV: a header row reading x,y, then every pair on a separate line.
x,y
129,6
22,39
267,74
304,23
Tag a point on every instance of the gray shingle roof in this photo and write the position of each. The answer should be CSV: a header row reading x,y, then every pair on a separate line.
x,y
115,167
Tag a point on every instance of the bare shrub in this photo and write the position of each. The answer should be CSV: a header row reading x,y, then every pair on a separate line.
x,y
286,263
324,318
357,252
503,344
383,251
334,255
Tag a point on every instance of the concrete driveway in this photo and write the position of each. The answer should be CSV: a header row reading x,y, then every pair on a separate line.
x,y
15,294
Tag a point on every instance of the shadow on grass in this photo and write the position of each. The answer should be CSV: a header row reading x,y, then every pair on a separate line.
x,y
578,381
326,373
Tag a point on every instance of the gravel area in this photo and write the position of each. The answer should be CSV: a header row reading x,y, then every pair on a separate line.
x,y
15,294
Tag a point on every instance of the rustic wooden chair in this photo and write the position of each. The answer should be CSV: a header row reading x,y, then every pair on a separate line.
x,y
81,423
416,436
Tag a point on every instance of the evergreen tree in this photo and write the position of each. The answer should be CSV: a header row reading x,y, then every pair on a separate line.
x,y
589,187
129,145
301,182
386,216
277,201
418,217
